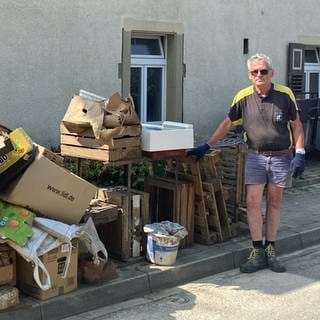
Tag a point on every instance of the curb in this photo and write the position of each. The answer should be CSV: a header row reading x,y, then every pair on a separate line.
x,y
138,279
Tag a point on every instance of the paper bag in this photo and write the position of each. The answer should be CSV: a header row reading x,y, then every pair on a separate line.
x,y
82,114
120,111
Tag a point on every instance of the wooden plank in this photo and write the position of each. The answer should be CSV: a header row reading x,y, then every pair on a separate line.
x,y
144,204
223,215
168,154
115,235
216,205
208,165
124,199
202,234
94,143
102,155
182,212
190,215
213,217
162,182
136,227
145,216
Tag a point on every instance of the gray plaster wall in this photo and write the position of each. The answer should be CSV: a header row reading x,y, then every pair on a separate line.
x,y
51,49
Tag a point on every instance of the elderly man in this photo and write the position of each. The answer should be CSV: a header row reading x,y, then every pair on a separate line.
x,y
273,132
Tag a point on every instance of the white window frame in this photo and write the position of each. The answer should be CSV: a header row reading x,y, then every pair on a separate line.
x,y
161,45
151,61
311,68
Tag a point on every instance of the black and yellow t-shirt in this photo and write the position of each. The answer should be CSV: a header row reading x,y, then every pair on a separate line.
x,y
265,120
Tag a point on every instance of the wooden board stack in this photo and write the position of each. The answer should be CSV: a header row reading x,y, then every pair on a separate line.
x,y
125,146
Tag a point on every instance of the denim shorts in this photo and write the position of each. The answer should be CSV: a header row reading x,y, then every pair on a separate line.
x,y
261,169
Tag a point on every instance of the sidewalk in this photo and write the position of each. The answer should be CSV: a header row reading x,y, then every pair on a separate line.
x,y
300,228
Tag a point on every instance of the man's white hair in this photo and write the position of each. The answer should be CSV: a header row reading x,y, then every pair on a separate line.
x,y
259,57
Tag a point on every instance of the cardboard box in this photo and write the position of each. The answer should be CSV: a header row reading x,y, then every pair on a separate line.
x,y
51,190
13,148
54,157
16,154
54,261
168,135
7,265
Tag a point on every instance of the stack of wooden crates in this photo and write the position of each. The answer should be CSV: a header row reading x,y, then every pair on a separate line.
x,y
124,146
121,230
191,194
230,169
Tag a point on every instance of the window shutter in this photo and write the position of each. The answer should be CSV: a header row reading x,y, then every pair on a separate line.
x,y
296,69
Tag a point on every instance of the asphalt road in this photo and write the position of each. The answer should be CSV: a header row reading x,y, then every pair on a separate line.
x,y
293,295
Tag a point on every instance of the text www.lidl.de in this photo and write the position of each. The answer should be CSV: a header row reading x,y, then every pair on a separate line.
x,y
63,194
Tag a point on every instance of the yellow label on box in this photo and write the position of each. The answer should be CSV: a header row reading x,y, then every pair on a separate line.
x,y
22,144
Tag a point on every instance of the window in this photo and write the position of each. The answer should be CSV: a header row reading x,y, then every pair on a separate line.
x,y
141,47
296,76
304,70
297,59
311,56
312,72
152,68
148,77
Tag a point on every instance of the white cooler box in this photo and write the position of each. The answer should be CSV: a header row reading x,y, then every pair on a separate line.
x,y
167,135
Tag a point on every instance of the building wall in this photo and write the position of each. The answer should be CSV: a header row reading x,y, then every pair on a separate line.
x,y
51,49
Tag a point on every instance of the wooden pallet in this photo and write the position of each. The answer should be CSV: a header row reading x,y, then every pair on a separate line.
x,y
173,200
211,219
122,147
231,170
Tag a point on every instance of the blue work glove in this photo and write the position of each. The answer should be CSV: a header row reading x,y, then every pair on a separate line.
x,y
297,165
199,151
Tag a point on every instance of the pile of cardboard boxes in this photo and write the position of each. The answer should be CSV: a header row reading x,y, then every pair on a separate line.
x,y
33,178
47,189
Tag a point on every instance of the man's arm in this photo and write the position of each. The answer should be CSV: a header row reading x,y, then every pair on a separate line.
x,y
298,162
221,131
298,135
218,134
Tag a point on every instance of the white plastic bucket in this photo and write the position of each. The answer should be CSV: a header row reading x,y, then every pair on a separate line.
x,y
151,244
161,249
165,255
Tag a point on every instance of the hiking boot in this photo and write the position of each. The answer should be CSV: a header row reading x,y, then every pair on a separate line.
x,y
256,261
272,262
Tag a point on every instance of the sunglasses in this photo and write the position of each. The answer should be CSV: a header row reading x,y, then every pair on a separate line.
x,y
262,72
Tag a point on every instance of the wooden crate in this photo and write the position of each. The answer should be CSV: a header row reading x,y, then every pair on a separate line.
x,y
124,238
126,146
172,200
102,213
